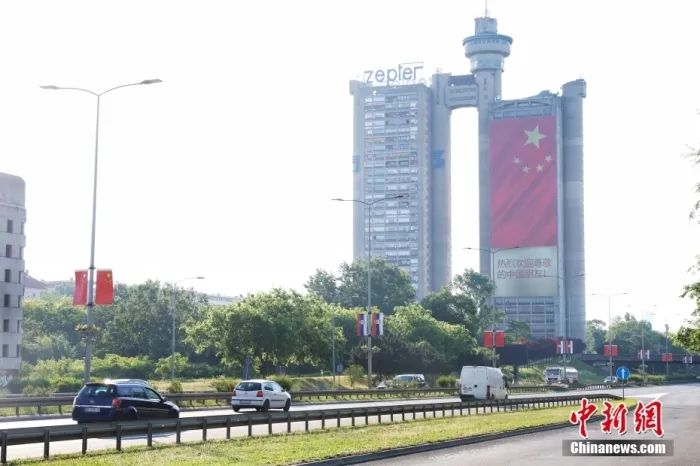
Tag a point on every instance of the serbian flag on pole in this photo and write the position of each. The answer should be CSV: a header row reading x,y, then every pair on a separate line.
x,y
377,324
81,286
362,324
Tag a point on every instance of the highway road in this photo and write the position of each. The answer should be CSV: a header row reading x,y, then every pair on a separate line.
x,y
681,422
72,446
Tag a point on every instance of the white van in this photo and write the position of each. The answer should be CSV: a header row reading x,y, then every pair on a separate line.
x,y
482,383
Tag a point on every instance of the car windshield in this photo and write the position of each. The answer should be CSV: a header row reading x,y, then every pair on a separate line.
x,y
98,391
404,378
248,386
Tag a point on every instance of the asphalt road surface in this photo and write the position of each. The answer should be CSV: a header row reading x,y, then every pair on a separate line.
x,y
681,422
72,446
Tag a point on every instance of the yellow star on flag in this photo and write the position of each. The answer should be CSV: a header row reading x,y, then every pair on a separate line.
x,y
534,136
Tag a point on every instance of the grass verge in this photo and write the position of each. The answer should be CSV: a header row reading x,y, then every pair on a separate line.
x,y
278,450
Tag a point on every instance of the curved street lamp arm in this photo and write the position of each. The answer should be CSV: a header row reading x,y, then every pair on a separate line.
x,y
56,88
118,87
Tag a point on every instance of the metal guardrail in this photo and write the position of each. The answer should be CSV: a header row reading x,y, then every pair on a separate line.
x,y
46,435
65,399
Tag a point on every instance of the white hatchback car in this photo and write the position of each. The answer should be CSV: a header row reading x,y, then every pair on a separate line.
x,y
261,395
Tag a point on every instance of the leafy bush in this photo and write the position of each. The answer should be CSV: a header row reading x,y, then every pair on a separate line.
x,y
681,377
446,381
36,391
113,366
203,370
284,381
224,385
175,387
355,373
65,384
162,368
16,385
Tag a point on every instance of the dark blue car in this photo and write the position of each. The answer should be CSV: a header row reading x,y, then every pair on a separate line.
x,y
121,400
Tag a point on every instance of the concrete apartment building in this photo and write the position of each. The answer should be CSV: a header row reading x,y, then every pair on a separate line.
x,y
401,147
13,216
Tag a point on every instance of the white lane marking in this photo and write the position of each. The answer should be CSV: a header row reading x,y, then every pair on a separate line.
x,y
655,396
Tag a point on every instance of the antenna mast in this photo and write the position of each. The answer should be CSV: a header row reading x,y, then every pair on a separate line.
x,y
486,9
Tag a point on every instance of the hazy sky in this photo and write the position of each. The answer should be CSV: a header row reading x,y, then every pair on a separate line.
x,y
227,168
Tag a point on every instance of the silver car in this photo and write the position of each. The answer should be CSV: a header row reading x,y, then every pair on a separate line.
x,y
260,394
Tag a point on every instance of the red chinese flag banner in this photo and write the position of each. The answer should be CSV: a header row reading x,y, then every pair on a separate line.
x,y
104,289
81,285
500,339
608,349
488,339
523,182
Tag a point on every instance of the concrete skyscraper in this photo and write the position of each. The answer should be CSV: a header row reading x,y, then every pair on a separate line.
x,y
401,146
13,215
530,154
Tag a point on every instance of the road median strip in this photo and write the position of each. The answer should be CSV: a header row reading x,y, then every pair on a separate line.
x,y
332,446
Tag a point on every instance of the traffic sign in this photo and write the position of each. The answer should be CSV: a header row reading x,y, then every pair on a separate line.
x,y
623,373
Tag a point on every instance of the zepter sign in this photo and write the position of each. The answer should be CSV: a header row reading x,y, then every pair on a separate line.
x,y
405,73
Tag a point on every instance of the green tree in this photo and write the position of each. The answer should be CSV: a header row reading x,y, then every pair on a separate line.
x,y
276,328
415,341
141,319
49,328
688,335
627,335
517,330
451,307
595,336
391,286
480,288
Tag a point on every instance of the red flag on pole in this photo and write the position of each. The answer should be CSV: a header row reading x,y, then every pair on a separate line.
x,y
500,339
104,290
488,339
80,291
614,350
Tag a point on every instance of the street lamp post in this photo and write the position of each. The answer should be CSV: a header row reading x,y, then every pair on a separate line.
x,y
567,324
369,206
610,338
666,338
493,291
172,309
91,269
644,371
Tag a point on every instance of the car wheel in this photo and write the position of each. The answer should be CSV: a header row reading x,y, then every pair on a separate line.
x,y
258,409
287,405
236,408
266,406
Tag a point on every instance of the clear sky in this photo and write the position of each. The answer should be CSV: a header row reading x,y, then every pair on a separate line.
x,y
227,168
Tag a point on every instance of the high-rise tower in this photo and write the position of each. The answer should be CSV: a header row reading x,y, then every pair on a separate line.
x,y
530,182
487,51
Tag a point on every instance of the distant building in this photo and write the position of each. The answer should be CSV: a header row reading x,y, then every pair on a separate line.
x,y
13,215
219,300
34,288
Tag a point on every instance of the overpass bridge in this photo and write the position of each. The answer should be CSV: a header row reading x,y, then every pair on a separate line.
x,y
633,359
